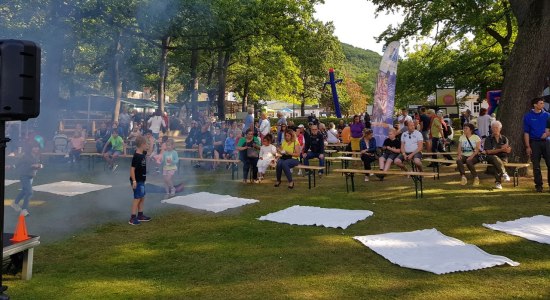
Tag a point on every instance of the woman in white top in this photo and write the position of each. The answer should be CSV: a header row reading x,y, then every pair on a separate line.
x,y
468,151
332,134
268,154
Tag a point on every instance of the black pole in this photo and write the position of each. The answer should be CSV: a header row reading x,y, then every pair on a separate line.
x,y
3,142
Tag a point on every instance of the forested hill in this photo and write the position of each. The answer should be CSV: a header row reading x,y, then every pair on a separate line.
x,y
361,66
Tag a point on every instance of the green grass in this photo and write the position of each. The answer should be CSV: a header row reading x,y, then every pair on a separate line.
x,y
185,253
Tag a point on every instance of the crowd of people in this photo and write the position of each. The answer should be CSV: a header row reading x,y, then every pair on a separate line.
x,y
258,147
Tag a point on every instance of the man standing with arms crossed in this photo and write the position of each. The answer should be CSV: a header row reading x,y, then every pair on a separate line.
x,y
535,137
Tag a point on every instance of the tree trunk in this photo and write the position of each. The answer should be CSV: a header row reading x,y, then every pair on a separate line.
x,y
117,83
246,93
194,82
246,90
163,70
223,63
303,106
525,70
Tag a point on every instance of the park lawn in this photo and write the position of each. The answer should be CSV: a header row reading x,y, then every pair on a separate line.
x,y
185,253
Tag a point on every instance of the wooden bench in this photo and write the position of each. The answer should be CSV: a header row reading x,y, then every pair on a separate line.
x,y
234,163
514,166
344,159
310,170
416,177
26,247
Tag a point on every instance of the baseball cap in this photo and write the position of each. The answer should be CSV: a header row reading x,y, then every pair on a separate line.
x,y
301,126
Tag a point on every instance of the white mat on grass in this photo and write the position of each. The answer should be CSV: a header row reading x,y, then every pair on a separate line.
x,y
69,188
535,228
309,215
431,251
210,202
9,181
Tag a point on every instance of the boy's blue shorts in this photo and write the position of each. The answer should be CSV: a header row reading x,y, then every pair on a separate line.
x,y
139,191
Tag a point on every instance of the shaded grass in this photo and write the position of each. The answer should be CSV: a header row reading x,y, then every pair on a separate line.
x,y
185,253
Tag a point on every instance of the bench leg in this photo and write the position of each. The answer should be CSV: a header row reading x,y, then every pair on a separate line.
x,y
418,185
309,179
352,182
347,186
516,177
26,273
314,183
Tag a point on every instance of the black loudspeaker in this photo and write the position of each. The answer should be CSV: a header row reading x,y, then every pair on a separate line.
x,y
19,80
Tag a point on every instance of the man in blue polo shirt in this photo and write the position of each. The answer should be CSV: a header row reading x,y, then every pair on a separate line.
x,y
535,135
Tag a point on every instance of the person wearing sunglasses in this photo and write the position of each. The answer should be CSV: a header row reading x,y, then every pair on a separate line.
x,y
411,147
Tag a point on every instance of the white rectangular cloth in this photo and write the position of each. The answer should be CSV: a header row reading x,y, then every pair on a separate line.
x,y
431,251
309,215
9,181
210,202
69,188
535,228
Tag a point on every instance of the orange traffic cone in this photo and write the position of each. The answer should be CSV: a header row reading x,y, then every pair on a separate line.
x,y
20,231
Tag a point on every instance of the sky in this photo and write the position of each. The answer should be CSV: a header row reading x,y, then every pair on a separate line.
x,y
355,22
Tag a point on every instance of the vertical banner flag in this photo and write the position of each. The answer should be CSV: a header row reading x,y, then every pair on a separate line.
x,y
384,96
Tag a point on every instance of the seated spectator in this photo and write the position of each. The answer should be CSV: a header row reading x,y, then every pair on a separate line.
x,y
229,145
496,150
218,143
76,143
314,147
204,143
367,146
289,151
193,135
248,147
332,134
411,148
390,150
117,148
468,150
102,135
324,132
60,143
267,157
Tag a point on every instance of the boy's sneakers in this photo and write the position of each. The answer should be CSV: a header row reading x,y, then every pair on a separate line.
x,y
143,218
506,177
366,178
476,181
172,191
16,207
498,186
197,166
114,168
134,221
463,180
24,212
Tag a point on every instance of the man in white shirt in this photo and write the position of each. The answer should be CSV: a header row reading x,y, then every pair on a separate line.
x,y
404,117
411,147
265,126
155,123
